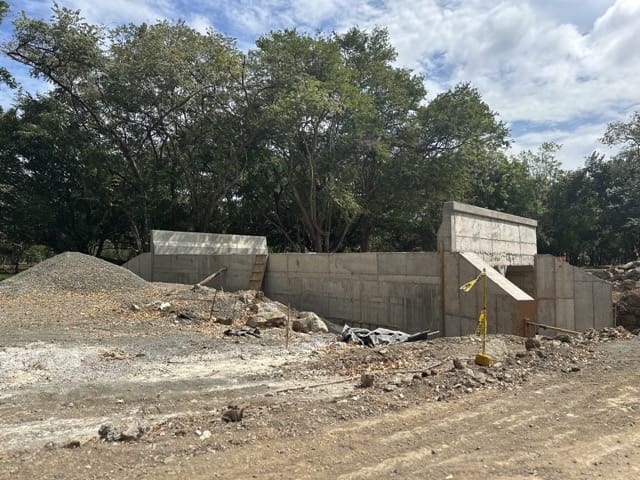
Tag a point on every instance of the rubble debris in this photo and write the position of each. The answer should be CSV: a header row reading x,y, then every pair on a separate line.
x,y
121,433
457,364
367,379
309,322
233,414
115,354
532,343
623,277
606,334
242,332
380,336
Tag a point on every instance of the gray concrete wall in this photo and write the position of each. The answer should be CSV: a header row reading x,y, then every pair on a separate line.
x,y
507,304
141,265
392,290
164,242
499,238
190,269
569,297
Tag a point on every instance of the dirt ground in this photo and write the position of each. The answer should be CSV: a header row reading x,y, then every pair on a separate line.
x,y
72,363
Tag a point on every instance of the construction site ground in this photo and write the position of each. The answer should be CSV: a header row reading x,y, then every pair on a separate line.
x,y
73,362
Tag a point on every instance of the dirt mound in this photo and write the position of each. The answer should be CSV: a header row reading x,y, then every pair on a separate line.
x,y
628,310
72,271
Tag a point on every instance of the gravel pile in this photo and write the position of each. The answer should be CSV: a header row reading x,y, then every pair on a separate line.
x,y
75,272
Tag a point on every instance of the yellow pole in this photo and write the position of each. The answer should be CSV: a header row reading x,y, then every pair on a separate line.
x,y
484,310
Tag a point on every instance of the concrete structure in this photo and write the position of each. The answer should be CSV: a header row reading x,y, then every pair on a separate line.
x,y
393,290
404,291
164,242
499,238
186,257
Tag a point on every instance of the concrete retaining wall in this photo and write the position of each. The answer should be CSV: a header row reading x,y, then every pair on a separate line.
x,y
190,269
507,304
569,297
403,290
392,290
499,238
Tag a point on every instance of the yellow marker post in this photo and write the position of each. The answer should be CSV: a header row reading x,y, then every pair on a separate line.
x,y
481,328
482,358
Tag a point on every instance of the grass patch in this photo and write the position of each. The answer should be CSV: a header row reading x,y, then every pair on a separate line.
x,y
4,276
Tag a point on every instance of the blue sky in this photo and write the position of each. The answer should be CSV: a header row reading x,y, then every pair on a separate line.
x,y
554,70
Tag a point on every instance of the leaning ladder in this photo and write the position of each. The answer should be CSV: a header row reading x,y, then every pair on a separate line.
x,y
257,274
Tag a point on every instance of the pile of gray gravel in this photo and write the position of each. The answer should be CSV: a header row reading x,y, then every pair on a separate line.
x,y
75,272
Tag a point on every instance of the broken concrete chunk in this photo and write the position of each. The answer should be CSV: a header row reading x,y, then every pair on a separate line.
x,y
121,433
457,363
309,322
267,319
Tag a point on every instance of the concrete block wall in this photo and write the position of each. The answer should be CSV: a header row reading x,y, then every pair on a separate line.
x,y
393,290
569,297
499,238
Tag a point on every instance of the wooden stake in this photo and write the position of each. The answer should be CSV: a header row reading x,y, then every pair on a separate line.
x,y
287,326
213,302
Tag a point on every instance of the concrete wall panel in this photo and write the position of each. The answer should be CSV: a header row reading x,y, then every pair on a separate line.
x,y
353,263
565,313
584,308
602,304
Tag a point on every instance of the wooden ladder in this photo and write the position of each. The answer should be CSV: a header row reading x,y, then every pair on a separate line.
x,y
257,274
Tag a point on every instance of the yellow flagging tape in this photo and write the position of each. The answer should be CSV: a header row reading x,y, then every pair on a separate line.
x,y
482,323
469,285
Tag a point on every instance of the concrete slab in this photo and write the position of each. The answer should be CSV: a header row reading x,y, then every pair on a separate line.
x,y
584,307
565,313
165,242
602,304
546,311
545,277
564,273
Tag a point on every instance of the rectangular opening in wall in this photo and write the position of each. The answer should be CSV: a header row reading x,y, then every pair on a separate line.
x,y
523,276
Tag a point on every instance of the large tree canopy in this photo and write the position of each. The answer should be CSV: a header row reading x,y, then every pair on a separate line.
x,y
321,142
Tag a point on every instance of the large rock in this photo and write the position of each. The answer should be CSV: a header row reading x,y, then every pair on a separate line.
x,y
267,320
309,322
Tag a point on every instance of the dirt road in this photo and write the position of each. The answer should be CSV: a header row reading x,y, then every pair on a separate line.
x,y
578,425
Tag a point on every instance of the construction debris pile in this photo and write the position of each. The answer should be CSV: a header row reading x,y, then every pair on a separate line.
x,y
248,311
444,368
623,277
626,292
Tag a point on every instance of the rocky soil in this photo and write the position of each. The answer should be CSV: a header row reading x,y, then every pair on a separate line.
x,y
626,292
157,380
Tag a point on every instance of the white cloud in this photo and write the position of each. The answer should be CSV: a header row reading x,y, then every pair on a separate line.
x,y
565,67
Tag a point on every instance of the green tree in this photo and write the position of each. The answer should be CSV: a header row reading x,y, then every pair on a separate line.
x,y
170,101
307,99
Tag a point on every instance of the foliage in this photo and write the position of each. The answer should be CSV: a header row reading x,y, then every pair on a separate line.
x,y
321,142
